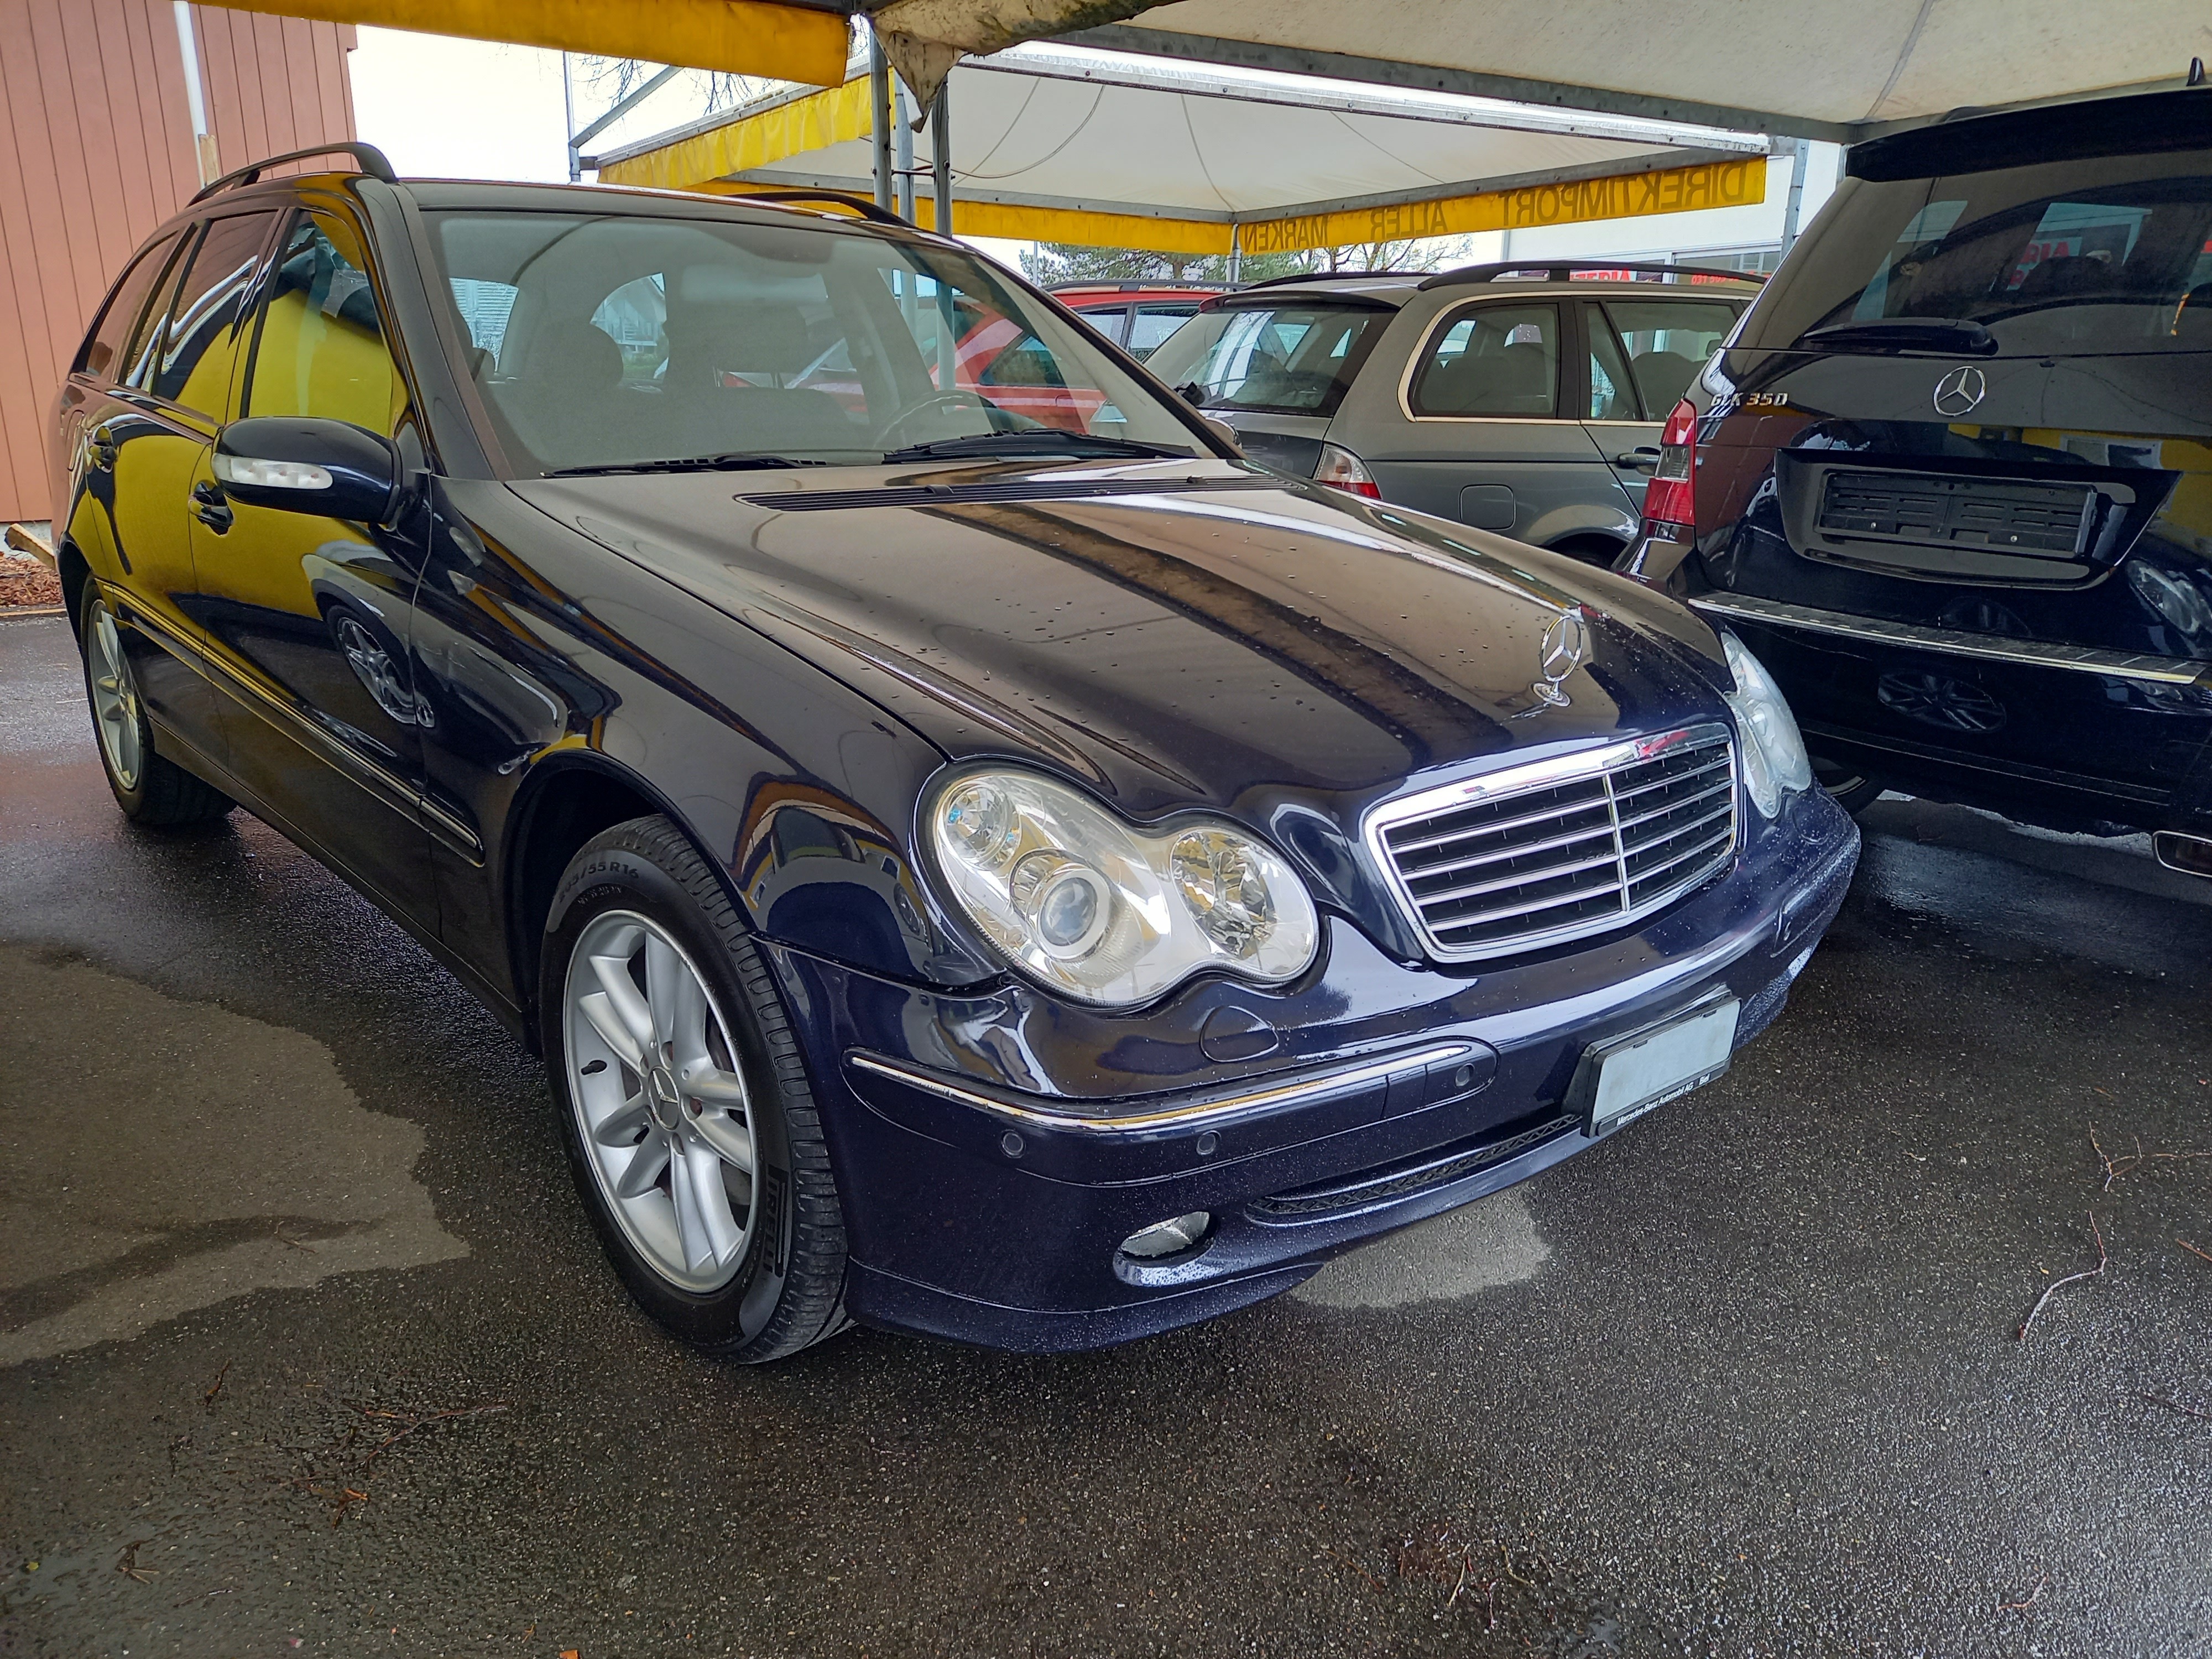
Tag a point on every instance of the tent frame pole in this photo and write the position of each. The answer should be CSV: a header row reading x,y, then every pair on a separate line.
x,y
880,116
940,156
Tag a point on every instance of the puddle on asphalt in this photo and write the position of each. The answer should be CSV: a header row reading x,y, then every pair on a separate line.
x,y
1486,1245
158,1156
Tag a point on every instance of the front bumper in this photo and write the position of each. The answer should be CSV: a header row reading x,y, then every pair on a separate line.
x,y
993,1151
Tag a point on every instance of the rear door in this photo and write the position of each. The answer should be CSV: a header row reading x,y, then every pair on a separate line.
x,y
1642,354
160,440
308,618
1480,427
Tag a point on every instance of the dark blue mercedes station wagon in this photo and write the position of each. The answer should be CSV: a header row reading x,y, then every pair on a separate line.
x,y
978,856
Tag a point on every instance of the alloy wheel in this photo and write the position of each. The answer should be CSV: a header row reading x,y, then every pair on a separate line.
x,y
114,700
665,1117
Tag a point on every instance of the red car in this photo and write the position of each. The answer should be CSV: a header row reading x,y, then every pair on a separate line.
x,y
1137,316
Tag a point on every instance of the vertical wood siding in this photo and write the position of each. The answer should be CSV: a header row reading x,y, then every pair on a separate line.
x,y
96,149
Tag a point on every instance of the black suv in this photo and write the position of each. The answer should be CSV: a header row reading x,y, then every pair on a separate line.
x,y
1952,478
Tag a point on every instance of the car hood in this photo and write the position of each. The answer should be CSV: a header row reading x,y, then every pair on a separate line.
x,y
1170,634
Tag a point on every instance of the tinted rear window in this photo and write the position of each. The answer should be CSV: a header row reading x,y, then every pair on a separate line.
x,y
1291,359
2073,259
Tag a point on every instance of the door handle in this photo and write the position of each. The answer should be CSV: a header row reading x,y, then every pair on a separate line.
x,y
102,448
209,508
1642,459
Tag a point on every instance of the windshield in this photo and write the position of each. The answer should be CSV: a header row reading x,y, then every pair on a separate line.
x,y
604,340
1296,358
2112,255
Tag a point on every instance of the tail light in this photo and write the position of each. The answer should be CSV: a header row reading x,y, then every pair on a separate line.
x,y
1340,469
1670,498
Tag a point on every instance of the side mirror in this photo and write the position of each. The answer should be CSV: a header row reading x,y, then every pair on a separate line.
x,y
300,464
1221,429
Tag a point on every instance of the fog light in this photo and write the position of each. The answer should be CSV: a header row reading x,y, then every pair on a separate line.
x,y
1167,1237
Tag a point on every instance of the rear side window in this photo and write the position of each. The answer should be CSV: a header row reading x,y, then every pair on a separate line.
x,y
321,348
1153,324
2069,259
1496,360
1291,359
1667,342
1112,321
199,344
107,349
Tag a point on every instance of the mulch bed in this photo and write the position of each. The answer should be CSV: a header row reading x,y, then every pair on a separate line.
x,y
25,581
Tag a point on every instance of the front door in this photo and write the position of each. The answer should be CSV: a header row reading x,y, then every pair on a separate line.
x,y
307,618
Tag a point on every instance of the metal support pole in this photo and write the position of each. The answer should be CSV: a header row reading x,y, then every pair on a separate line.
x,y
1799,153
879,117
1236,252
568,123
940,156
203,156
902,153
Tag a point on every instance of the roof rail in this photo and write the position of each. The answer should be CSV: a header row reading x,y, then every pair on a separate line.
x,y
372,160
1555,272
1124,285
1324,277
860,204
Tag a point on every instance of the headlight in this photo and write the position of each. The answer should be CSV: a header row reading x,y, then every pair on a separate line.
x,y
1775,763
1105,911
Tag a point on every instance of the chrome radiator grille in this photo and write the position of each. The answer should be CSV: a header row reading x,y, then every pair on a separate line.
x,y
1556,850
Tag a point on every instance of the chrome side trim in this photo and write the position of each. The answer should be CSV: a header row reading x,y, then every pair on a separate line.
x,y
2028,654
1205,1113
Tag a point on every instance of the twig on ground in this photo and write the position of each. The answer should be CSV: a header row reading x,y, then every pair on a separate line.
x,y
1466,1566
208,1398
127,1562
1373,1582
411,1423
2114,1168
2103,1261
1491,1589
2192,1250
2173,1406
2032,1597
1510,1573
294,1242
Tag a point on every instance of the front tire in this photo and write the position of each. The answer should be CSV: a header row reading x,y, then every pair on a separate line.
x,y
150,789
691,1131
1849,790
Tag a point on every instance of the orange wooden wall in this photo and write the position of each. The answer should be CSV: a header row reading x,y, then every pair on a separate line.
x,y
96,149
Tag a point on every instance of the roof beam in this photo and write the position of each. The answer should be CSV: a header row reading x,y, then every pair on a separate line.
x,y
740,37
1429,77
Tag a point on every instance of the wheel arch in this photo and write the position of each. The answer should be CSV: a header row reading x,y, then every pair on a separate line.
x,y
566,800
75,573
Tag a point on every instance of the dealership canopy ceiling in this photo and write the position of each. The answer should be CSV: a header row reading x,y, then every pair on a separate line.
x,y
1070,144
1821,69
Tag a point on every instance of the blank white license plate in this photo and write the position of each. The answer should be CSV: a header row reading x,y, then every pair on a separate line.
x,y
1624,1079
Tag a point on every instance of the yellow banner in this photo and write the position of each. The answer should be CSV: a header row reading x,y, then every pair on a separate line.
x,y
814,121
1626,196
743,37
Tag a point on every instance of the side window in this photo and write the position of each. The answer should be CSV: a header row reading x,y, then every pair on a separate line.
x,y
1112,321
485,308
1668,342
1612,389
199,344
106,350
1028,361
1498,360
635,318
321,348
1153,324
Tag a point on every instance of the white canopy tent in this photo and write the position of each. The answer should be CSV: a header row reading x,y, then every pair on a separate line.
x,y
1079,145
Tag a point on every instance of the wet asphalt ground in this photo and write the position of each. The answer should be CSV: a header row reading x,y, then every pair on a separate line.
x,y
305,1346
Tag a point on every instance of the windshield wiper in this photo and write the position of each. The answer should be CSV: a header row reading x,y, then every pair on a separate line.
x,y
1036,440
735,461
1950,336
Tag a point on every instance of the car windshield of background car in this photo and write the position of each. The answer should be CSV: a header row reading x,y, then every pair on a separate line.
x,y
1288,360
2073,259
608,340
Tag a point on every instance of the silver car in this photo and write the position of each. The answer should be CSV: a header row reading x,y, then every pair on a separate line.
x,y
1526,400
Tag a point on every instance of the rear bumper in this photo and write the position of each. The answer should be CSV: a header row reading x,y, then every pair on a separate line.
x,y
2063,735
988,1185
